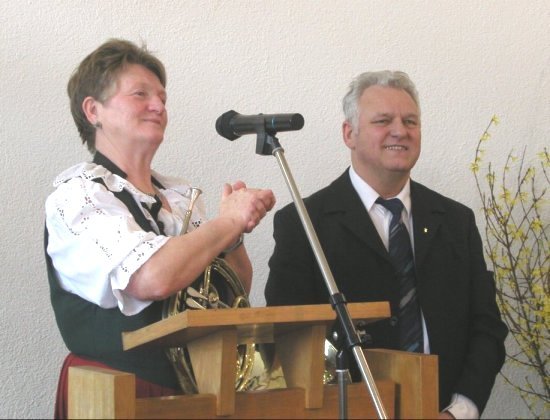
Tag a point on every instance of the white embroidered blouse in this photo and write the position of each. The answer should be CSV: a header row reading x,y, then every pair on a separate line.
x,y
95,243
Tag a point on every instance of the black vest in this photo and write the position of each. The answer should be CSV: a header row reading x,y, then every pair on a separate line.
x,y
95,333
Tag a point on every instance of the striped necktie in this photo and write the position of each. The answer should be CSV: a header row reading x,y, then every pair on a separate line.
x,y
400,250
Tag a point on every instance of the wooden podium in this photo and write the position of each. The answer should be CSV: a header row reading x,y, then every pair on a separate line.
x,y
406,382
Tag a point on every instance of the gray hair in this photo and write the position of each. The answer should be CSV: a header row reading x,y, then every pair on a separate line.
x,y
394,79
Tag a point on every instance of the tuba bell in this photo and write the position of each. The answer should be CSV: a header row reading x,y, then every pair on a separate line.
x,y
219,287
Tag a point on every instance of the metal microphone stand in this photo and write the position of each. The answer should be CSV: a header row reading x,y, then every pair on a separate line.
x,y
342,375
268,144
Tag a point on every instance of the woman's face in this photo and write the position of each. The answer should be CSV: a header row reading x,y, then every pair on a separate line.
x,y
134,114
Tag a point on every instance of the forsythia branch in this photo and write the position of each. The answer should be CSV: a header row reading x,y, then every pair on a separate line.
x,y
517,246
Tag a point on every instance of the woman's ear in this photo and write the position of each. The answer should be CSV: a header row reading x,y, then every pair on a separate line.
x,y
89,106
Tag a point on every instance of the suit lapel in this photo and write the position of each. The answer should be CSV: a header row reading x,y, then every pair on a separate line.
x,y
346,208
427,216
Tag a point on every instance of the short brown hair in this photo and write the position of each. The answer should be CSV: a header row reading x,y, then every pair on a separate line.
x,y
96,74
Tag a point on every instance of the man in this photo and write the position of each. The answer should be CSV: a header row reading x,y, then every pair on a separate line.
x,y
456,315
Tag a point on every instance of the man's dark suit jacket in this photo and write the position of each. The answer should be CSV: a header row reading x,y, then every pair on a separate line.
x,y
455,290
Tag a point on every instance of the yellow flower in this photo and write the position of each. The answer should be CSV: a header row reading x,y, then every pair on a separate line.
x,y
536,225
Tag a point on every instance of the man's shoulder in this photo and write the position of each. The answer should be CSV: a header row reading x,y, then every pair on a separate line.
x,y
421,193
328,195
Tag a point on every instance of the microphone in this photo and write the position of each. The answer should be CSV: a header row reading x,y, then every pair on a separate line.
x,y
233,125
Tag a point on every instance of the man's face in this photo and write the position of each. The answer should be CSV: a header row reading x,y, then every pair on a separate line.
x,y
386,144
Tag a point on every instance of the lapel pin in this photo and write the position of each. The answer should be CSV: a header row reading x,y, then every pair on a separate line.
x,y
425,230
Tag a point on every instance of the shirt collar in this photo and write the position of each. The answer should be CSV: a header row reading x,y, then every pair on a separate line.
x,y
368,195
101,159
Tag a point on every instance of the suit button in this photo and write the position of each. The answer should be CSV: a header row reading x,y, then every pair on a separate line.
x,y
394,321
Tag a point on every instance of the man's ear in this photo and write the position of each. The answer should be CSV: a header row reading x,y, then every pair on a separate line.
x,y
348,134
89,106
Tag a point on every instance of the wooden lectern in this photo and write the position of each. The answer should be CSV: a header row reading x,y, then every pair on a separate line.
x,y
406,382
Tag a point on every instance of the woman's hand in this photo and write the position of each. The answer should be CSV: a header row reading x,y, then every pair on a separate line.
x,y
246,206
182,258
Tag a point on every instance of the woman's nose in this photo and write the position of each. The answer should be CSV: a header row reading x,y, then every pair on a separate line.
x,y
157,104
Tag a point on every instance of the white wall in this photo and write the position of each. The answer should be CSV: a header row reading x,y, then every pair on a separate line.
x,y
469,59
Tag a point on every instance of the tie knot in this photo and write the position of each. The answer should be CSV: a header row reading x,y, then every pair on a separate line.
x,y
394,205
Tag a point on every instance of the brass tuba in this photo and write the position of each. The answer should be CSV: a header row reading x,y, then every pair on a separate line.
x,y
218,287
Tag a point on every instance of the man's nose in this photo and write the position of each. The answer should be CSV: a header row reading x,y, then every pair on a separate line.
x,y
398,129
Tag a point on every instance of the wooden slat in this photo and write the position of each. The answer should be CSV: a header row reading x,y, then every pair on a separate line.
x,y
213,360
301,355
253,324
103,393
416,377
96,393
287,404
272,404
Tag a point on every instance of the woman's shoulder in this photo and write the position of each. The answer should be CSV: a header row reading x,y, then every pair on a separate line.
x,y
87,188
89,171
78,185
72,172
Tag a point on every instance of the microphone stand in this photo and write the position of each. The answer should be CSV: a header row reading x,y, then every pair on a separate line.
x,y
268,144
342,373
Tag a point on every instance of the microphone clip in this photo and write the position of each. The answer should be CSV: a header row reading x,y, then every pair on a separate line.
x,y
266,144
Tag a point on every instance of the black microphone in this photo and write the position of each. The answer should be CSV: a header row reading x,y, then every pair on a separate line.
x,y
233,125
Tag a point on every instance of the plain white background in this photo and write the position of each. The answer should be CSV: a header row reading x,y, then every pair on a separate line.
x,y
469,59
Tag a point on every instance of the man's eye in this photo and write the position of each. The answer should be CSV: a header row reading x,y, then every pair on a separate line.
x,y
411,123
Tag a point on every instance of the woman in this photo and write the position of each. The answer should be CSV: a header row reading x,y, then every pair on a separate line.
x,y
113,242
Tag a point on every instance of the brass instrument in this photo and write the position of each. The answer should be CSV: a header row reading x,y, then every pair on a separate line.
x,y
218,287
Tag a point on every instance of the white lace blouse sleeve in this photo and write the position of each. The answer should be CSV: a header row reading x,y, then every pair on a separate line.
x,y
95,243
